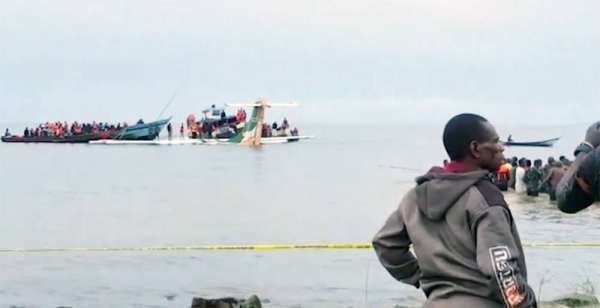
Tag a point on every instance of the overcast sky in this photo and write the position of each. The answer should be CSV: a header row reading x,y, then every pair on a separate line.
x,y
342,61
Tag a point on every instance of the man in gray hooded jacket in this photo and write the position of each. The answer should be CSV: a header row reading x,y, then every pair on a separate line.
x,y
468,250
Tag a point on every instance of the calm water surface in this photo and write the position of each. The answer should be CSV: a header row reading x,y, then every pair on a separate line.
x,y
336,188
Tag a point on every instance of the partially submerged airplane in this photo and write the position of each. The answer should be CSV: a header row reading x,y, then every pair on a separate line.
x,y
251,133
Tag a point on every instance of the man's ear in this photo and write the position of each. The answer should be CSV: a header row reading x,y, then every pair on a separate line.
x,y
474,149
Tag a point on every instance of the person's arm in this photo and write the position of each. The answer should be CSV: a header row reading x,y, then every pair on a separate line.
x,y
576,189
497,255
549,176
392,246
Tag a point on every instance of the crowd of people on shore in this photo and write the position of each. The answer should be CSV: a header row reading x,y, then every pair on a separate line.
x,y
63,129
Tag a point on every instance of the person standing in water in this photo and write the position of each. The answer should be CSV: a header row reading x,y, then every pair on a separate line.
x,y
181,130
170,131
580,185
533,178
520,187
460,227
502,175
512,173
553,178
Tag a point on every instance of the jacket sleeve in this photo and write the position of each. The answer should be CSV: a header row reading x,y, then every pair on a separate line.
x,y
392,246
497,255
570,196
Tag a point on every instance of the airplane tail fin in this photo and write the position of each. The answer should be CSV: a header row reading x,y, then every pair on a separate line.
x,y
250,129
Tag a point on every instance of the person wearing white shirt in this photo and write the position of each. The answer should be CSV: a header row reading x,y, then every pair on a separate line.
x,y
520,187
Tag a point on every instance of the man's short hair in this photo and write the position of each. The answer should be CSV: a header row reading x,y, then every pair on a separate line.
x,y
460,131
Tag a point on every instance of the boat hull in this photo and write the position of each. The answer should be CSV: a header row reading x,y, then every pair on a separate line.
x,y
545,143
144,131
84,138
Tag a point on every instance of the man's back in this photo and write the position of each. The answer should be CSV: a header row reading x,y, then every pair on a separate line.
x,y
556,174
469,252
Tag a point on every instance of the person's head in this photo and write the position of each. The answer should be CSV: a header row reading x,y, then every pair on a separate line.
x,y
558,164
471,139
445,162
551,160
528,163
563,159
537,163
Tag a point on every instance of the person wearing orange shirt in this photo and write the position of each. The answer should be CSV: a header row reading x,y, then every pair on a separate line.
x,y
502,176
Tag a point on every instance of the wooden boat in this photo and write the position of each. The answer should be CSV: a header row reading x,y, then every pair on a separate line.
x,y
83,138
543,143
143,131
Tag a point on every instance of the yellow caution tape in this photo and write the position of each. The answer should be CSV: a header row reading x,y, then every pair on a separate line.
x,y
259,247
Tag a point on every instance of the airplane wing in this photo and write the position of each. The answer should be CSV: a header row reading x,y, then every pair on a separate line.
x,y
258,105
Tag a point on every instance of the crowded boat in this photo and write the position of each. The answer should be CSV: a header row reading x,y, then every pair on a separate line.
x,y
63,129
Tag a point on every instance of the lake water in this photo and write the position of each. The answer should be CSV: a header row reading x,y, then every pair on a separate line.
x,y
336,188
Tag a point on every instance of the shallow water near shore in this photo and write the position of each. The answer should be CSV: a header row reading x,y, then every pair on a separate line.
x,y
336,188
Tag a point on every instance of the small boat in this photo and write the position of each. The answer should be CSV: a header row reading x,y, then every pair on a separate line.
x,y
143,131
81,138
543,143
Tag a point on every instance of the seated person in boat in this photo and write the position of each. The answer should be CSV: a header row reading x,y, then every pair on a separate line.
x,y
62,129
195,130
240,116
7,133
510,138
